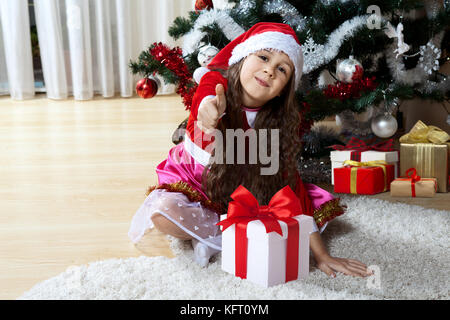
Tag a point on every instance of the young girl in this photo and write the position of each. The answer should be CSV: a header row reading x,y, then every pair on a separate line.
x,y
251,86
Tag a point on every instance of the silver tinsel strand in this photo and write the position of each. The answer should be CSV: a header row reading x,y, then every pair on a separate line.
x,y
289,13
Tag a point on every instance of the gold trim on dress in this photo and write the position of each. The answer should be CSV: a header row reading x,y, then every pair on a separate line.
x,y
192,194
328,211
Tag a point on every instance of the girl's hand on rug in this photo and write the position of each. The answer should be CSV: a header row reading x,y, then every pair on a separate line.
x,y
329,265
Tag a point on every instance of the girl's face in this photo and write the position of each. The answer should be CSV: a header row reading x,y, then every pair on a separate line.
x,y
263,76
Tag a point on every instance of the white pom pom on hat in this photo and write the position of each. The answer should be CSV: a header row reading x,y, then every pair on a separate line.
x,y
263,35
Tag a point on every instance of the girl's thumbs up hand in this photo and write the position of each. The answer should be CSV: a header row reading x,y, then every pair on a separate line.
x,y
211,110
220,99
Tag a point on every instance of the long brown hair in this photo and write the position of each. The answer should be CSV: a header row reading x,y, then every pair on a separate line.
x,y
279,113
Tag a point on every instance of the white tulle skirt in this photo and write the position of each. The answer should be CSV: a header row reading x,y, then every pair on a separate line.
x,y
192,217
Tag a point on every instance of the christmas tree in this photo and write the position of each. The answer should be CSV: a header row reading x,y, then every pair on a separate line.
x,y
358,55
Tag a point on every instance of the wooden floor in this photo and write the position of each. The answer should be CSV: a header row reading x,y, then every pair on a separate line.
x,y
73,174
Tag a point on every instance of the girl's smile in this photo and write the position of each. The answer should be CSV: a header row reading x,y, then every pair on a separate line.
x,y
262,82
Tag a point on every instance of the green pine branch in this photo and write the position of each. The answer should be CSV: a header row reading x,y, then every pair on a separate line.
x,y
182,26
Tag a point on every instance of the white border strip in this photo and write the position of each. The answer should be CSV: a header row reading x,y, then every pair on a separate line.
x,y
199,155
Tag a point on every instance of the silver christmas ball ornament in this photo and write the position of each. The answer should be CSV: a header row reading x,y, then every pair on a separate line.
x,y
349,69
206,54
384,125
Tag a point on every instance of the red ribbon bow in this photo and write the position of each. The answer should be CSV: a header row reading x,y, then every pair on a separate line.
x,y
245,208
357,146
411,174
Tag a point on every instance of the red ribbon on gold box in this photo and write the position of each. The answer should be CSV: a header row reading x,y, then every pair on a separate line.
x,y
413,185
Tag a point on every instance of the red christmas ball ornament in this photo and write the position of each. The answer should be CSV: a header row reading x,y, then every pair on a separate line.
x,y
203,4
147,88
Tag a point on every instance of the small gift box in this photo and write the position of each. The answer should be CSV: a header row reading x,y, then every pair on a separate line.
x,y
358,150
363,177
413,186
425,148
267,245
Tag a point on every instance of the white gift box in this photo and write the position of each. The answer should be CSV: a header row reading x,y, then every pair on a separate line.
x,y
266,252
338,158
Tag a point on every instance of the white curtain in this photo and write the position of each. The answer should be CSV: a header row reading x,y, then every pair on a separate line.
x,y
17,62
85,45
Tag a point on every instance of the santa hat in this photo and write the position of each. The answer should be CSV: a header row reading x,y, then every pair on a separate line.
x,y
263,35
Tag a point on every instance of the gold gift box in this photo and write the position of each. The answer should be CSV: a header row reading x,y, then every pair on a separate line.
x,y
424,188
430,160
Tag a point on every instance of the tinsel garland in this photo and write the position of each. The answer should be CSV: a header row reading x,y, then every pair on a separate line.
x,y
287,11
192,194
173,60
343,91
328,211
206,18
316,55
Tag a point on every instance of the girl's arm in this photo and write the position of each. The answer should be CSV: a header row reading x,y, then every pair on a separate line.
x,y
206,89
329,264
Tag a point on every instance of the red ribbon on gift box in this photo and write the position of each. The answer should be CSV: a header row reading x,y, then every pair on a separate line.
x,y
357,146
411,174
245,208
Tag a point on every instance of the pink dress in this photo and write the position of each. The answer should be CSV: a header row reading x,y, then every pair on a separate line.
x,y
180,198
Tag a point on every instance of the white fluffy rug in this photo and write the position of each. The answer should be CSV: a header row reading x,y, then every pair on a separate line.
x,y
408,245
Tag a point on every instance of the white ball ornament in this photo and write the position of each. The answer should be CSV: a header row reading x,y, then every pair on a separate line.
x,y
349,69
384,125
206,54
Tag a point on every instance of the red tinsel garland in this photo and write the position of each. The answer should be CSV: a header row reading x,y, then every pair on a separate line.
x,y
173,60
343,90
